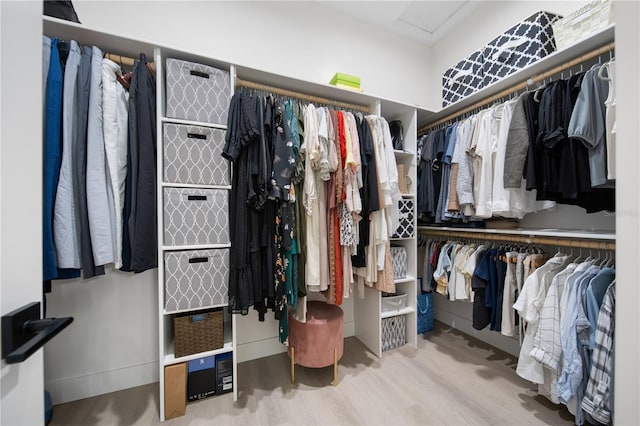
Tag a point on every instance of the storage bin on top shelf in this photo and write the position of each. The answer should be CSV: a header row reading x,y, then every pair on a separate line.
x,y
520,46
197,92
515,49
463,79
595,16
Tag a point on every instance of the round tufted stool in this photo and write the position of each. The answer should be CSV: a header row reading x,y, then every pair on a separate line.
x,y
320,341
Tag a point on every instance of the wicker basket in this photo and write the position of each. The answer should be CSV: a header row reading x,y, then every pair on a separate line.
x,y
198,333
596,15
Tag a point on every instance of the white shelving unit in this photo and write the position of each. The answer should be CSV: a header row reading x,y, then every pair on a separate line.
x,y
166,332
555,59
368,311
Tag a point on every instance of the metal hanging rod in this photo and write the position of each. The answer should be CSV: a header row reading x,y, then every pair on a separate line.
x,y
123,60
301,96
524,239
523,85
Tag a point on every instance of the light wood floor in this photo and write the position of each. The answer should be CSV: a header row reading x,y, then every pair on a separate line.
x,y
451,379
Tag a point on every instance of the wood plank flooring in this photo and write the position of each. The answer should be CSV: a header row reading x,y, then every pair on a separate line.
x,y
451,379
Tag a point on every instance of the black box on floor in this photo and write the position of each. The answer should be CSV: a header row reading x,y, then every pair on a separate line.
x,y
224,372
201,381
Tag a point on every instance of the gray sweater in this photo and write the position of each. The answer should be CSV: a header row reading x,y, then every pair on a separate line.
x,y
517,146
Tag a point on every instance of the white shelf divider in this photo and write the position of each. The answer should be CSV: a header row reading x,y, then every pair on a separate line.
x,y
404,311
193,123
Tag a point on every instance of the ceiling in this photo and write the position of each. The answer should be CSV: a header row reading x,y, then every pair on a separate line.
x,y
424,21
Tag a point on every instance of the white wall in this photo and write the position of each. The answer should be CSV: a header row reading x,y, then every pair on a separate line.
x,y
627,327
299,39
113,343
486,22
21,390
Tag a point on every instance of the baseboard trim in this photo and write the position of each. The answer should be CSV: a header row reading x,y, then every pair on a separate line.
x,y
75,388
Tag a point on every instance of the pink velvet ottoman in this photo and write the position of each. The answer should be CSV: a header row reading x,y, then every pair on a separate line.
x,y
320,341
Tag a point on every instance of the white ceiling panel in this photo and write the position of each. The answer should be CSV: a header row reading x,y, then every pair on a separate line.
x,y
425,21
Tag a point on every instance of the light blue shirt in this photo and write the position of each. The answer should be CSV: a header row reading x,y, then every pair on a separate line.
x,y
594,295
571,375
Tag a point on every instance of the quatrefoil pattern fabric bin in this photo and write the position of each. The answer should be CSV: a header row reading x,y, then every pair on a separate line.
x,y
192,155
197,92
520,46
394,331
195,216
195,279
462,79
407,228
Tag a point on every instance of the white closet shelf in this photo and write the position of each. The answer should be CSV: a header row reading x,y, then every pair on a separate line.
x,y
407,196
406,279
555,59
403,154
199,308
531,232
193,123
403,311
197,247
403,239
171,358
195,185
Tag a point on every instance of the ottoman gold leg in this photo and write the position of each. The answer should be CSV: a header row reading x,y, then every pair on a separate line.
x,y
293,363
335,366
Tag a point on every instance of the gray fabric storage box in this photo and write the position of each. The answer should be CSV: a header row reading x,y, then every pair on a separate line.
x,y
394,303
399,262
195,216
462,79
192,155
394,330
197,92
406,228
520,46
195,279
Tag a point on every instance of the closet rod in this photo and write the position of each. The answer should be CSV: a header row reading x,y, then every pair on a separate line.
x,y
525,239
298,95
523,85
122,60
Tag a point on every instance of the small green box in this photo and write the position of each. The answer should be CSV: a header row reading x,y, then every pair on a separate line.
x,y
346,80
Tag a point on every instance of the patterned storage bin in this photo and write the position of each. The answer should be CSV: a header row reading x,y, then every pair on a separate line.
x,y
197,92
520,46
192,155
595,16
394,330
462,79
399,262
406,228
195,279
195,216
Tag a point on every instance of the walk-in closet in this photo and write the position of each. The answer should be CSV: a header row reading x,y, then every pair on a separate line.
x,y
372,212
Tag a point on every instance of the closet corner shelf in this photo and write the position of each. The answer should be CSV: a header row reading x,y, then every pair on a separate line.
x,y
579,48
193,123
530,232
403,311
404,280
171,359
403,154
194,185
